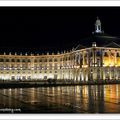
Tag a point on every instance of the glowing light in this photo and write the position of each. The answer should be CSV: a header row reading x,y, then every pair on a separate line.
x,y
85,66
111,65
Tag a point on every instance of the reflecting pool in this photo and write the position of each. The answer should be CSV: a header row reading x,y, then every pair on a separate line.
x,y
63,99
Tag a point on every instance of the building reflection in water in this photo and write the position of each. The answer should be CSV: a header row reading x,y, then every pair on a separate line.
x,y
67,99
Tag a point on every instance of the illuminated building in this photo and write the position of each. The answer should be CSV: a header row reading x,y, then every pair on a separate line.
x,y
79,64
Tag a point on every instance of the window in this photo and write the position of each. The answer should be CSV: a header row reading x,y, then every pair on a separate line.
x,y
12,67
40,60
7,67
41,67
35,67
7,60
91,54
98,62
50,60
106,55
1,67
118,55
18,67
13,60
60,66
18,60
23,60
1,60
45,60
13,77
99,27
55,60
55,67
45,67
35,60
50,66
24,67
98,53
28,60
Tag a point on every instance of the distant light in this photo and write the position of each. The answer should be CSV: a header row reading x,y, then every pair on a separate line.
x,y
94,44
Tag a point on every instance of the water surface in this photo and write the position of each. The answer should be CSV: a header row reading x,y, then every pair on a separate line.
x,y
66,99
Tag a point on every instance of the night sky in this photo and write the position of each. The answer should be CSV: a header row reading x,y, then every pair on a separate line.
x,y
42,29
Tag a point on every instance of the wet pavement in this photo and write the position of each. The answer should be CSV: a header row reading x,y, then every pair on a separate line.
x,y
63,99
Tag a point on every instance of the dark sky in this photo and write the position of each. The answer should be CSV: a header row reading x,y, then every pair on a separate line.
x,y
43,29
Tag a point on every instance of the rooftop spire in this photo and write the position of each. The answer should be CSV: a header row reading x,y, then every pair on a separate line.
x,y
98,26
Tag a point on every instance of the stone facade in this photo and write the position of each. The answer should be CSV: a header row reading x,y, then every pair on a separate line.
x,y
88,64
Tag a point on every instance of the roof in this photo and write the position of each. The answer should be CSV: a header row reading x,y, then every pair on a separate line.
x,y
101,39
